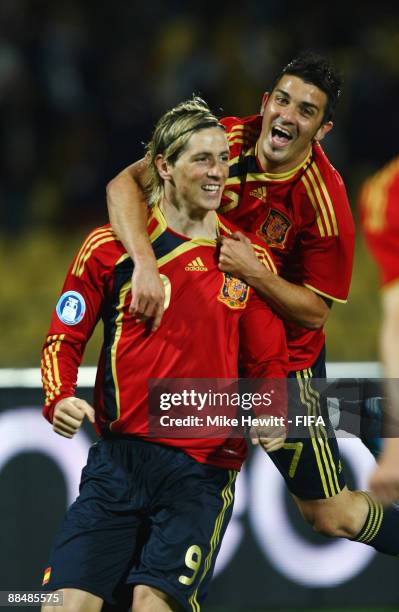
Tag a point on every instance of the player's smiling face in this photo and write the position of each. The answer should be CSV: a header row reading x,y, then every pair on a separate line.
x,y
201,170
292,119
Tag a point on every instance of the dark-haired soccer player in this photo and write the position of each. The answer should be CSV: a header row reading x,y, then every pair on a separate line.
x,y
379,204
152,511
282,187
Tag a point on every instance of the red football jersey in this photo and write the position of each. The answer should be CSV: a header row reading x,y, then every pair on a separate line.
x,y
210,321
379,213
304,217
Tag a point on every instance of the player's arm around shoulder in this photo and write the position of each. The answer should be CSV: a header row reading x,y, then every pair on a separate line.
x,y
128,213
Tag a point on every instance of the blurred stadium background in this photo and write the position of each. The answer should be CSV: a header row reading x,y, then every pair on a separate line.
x,y
81,84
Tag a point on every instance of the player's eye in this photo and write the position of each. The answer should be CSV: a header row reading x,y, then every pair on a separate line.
x,y
307,111
282,100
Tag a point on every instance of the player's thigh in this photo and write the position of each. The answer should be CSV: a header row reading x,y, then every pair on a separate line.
x,y
187,527
75,600
96,544
340,516
309,460
149,599
311,466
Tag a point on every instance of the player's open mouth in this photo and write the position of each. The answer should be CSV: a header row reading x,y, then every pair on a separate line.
x,y
280,136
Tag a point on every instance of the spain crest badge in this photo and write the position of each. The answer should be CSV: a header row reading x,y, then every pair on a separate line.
x,y
233,292
275,228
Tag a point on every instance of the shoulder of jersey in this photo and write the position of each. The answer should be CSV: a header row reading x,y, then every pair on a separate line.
x,y
262,251
324,192
320,178
101,241
378,193
242,132
388,175
324,165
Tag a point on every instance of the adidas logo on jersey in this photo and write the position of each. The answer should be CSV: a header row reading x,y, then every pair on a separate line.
x,y
197,265
259,193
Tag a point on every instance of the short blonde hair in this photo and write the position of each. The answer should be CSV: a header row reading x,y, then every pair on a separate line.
x,y
171,135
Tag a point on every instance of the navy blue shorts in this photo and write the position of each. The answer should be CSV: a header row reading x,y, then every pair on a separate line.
x,y
310,465
146,514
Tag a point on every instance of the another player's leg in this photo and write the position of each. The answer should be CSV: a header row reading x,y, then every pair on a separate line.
x,y
341,516
356,516
149,599
75,600
369,409
311,467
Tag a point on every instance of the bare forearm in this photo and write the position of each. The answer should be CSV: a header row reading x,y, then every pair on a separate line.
x,y
128,214
292,302
384,482
127,208
389,345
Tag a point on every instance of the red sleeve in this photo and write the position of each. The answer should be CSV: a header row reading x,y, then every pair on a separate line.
x,y
378,204
228,122
74,319
264,353
327,239
385,251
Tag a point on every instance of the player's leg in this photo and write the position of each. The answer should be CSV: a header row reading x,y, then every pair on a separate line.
x,y
149,599
371,424
355,515
189,516
312,469
366,410
341,516
96,544
75,600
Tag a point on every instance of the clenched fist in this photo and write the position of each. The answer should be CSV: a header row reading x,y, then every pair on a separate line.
x,y
69,414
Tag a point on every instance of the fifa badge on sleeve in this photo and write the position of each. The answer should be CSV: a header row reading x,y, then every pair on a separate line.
x,y
71,308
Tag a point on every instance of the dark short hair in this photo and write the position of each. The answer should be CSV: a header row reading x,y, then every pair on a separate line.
x,y
317,70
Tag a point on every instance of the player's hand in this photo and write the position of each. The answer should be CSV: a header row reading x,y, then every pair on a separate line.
x,y
384,482
238,258
69,414
148,294
270,437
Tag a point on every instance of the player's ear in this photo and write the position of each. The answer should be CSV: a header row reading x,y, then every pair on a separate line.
x,y
163,167
265,98
323,130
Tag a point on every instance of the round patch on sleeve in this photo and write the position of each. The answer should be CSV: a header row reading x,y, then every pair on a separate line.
x,y
71,308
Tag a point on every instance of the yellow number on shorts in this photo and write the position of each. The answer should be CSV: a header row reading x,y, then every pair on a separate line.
x,y
168,290
193,561
297,447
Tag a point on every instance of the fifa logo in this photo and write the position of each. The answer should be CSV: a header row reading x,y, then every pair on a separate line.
x,y
70,310
71,307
